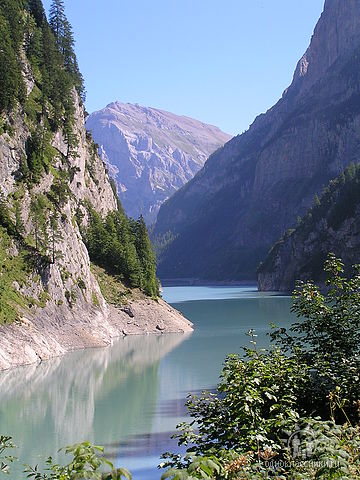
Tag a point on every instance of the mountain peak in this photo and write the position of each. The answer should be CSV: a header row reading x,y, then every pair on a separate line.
x,y
151,152
335,34
223,221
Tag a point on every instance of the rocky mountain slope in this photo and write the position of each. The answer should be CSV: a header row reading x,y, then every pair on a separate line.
x,y
51,178
222,223
331,225
151,153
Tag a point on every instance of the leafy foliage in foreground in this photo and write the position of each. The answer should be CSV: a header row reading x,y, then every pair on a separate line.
x,y
5,459
291,412
87,462
325,451
327,338
257,397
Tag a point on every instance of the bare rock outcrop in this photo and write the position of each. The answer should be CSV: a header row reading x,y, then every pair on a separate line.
x,y
151,153
57,330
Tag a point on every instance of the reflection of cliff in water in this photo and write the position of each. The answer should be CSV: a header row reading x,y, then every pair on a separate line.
x,y
95,395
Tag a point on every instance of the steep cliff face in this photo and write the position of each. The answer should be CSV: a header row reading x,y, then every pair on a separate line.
x,y
151,153
253,188
60,306
51,177
332,225
84,188
335,35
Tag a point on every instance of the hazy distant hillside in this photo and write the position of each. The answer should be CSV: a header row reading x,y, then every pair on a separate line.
x,y
151,153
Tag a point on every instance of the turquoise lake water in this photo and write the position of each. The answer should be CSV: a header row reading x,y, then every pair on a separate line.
x,y
130,396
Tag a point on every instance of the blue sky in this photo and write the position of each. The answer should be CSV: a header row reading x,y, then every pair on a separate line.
x,y
220,61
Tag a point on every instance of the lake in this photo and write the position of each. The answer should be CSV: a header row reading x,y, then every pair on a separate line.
x,y
130,396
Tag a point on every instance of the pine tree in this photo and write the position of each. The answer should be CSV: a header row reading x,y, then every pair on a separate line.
x,y
62,30
67,46
57,19
34,150
55,236
33,42
95,237
79,80
12,85
316,200
146,257
133,266
19,224
51,73
37,212
36,9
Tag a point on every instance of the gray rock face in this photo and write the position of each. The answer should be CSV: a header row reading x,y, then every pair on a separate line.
x,y
62,324
151,153
301,256
336,33
249,192
331,225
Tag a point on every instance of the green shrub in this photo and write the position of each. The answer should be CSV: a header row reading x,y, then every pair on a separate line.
x,y
88,461
81,284
5,459
255,401
262,421
95,300
327,338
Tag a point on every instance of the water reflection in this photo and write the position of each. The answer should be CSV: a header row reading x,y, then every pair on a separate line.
x,y
97,394
129,397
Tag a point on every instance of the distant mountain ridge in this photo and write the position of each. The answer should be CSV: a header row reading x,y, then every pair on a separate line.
x,y
223,222
151,153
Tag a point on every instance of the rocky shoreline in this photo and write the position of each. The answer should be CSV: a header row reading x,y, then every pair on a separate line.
x,y
57,331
